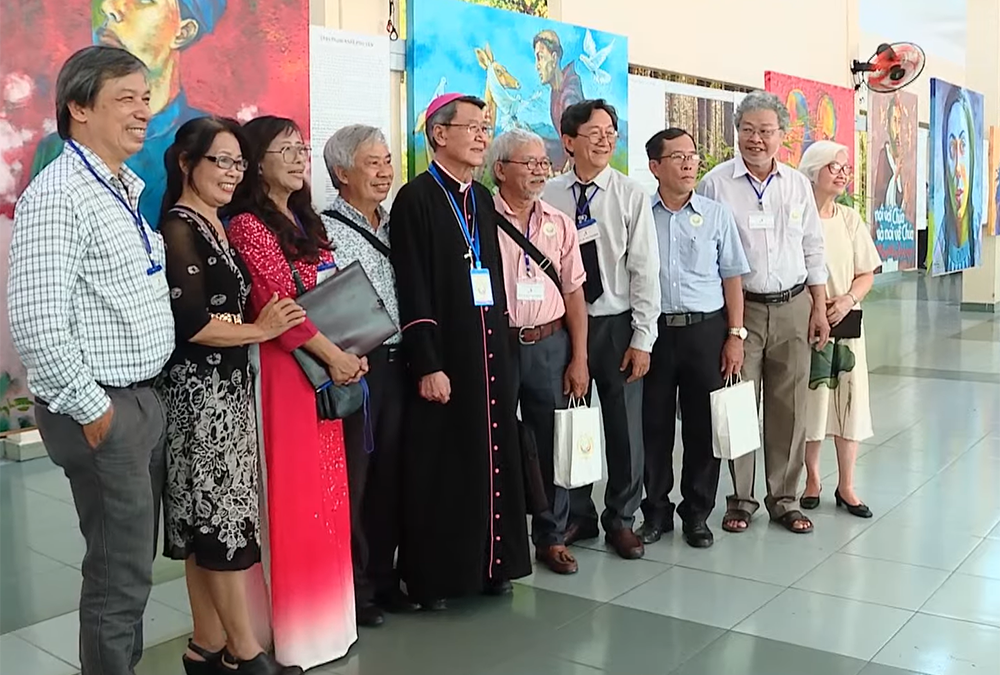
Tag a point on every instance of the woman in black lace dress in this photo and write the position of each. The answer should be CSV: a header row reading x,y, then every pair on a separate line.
x,y
211,499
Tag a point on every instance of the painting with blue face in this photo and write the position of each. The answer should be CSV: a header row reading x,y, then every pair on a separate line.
x,y
957,190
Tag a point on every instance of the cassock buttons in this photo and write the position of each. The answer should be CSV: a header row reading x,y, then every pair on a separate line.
x,y
496,448
490,355
498,494
494,425
497,516
498,538
492,378
498,561
489,331
497,470
493,401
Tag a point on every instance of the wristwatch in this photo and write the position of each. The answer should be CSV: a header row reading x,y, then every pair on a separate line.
x,y
740,332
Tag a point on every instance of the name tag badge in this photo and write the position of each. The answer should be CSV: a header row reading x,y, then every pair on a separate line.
x,y
761,221
795,215
160,287
325,271
531,290
482,287
588,234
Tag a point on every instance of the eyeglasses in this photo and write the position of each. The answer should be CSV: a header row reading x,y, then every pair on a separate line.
x,y
681,158
765,134
226,163
473,129
532,164
291,153
838,168
597,135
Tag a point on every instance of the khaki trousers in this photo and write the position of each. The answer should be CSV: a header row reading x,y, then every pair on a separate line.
x,y
777,359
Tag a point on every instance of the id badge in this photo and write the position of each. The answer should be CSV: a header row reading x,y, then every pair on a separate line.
x,y
761,221
482,287
325,271
588,234
531,290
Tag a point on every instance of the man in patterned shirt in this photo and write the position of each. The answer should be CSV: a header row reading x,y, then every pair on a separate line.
x,y
360,167
91,320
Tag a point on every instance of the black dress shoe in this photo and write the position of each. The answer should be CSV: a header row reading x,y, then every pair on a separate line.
x,y
859,509
370,615
581,532
650,532
396,602
433,604
498,587
697,535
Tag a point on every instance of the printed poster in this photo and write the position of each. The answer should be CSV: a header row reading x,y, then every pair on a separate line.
x,y
892,177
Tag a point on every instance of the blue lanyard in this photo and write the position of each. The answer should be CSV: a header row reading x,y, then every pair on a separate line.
x,y
759,193
154,267
469,230
581,211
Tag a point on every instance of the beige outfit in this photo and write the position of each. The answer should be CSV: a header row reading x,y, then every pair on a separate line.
x,y
838,402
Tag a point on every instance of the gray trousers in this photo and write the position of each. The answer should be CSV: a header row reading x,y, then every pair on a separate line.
x,y
116,489
621,409
538,383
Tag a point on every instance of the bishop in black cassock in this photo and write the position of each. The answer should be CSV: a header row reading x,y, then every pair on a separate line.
x,y
465,530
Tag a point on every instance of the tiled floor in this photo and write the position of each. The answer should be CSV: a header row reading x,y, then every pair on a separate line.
x,y
914,590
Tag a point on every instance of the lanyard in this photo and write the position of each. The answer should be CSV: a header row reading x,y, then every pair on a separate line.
x,y
759,193
469,230
582,209
154,267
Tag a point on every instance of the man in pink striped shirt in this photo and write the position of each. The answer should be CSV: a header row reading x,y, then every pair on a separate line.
x,y
548,322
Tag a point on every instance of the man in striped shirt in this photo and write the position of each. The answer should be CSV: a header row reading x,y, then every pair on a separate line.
x,y
90,316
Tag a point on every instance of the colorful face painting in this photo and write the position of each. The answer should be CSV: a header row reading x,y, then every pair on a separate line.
x,y
957,189
527,69
237,59
892,125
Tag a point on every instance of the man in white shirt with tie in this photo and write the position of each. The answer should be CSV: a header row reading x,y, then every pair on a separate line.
x,y
617,238
783,238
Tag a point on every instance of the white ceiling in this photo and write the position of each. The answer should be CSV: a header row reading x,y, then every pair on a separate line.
x,y
936,25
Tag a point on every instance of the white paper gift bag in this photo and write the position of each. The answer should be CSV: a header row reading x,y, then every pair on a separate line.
x,y
578,447
735,427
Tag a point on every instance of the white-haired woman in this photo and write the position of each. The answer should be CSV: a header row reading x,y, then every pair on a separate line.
x,y
837,404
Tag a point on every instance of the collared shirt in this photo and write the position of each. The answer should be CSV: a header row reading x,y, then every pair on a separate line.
x,y
350,246
699,247
82,307
627,249
788,253
554,234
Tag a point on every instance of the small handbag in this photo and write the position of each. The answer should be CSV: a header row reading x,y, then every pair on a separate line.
x,y
849,327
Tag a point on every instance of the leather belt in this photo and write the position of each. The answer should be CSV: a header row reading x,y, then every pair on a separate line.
x,y
689,318
775,298
145,384
529,335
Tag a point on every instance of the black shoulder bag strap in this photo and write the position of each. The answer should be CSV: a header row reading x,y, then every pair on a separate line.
x,y
369,237
530,249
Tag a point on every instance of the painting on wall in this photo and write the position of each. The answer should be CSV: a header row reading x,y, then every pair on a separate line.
x,y
993,185
892,178
957,196
527,69
708,115
532,7
238,59
819,112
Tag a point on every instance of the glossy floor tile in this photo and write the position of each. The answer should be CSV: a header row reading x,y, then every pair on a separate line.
x,y
913,591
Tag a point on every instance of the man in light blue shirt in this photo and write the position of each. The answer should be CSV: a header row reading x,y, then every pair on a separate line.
x,y
700,341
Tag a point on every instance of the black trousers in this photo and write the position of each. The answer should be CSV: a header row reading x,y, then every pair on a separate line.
x,y
688,359
375,480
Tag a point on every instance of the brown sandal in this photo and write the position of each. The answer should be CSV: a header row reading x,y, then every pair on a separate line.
x,y
789,520
739,516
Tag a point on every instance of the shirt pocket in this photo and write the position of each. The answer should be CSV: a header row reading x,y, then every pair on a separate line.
x,y
700,255
794,215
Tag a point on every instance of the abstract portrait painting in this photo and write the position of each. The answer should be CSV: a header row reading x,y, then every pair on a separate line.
x,y
527,69
957,196
892,178
819,112
237,59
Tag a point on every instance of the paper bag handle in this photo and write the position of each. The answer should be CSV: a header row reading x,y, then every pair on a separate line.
x,y
738,377
575,402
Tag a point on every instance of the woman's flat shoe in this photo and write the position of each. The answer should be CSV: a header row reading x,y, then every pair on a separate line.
x,y
859,510
809,503
262,664
210,666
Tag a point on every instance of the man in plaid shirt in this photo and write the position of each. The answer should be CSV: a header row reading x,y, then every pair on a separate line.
x,y
91,319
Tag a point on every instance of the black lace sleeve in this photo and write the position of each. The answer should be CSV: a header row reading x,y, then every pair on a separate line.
x,y
186,269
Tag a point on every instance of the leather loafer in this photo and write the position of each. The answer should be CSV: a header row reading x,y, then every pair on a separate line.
x,y
576,532
697,535
396,602
625,543
370,616
498,587
558,559
650,532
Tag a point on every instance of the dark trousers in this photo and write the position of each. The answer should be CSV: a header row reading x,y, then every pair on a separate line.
x,y
538,383
374,479
116,489
688,359
621,410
